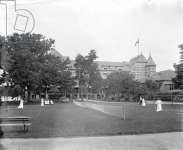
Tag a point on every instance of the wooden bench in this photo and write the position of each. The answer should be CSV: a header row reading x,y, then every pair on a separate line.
x,y
23,121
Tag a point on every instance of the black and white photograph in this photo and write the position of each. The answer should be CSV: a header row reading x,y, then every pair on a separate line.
x,y
91,74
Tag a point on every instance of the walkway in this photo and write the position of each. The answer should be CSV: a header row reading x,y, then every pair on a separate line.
x,y
164,141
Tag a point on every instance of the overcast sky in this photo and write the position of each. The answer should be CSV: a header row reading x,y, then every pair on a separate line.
x,y
111,27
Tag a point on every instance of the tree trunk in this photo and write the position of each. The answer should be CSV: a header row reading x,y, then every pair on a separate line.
x,y
29,96
1,132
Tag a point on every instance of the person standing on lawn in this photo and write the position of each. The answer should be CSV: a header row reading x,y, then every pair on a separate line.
x,y
158,105
21,105
42,102
143,102
140,101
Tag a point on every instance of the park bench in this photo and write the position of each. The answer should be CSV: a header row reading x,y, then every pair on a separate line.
x,y
23,121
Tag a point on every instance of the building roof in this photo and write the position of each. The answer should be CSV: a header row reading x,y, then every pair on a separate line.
x,y
58,54
165,75
150,62
102,64
138,59
109,63
71,65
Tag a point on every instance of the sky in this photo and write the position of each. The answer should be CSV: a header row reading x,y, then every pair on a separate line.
x,y
111,27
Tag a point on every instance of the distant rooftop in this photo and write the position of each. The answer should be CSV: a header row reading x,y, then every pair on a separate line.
x,y
138,58
165,75
58,54
110,63
150,62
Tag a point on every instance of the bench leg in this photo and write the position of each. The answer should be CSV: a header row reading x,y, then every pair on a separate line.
x,y
27,128
24,127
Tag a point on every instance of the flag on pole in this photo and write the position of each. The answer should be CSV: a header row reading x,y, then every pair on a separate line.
x,y
137,42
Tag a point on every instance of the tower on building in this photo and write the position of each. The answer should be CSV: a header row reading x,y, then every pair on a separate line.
x,y
150,67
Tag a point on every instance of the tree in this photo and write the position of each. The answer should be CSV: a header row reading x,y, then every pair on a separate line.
x,y
181,52
139,90
87,72
120,84
178,80
65,82
30,63
151,88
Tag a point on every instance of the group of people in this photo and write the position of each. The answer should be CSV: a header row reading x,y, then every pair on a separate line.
x,y
43,102
158,104
141,102
46,102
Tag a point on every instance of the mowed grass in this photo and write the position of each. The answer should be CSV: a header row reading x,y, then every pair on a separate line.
x,y
69,120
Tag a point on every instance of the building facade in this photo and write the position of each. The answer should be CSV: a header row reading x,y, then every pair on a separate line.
x,y
164,78
107,67
139,66
142,68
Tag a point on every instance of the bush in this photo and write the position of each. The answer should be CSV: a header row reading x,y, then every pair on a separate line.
x,y
178,98
168,96
164,96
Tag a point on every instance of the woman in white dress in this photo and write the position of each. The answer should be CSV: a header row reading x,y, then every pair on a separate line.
x,y
143,102
158,105
140,101
21,105
42,102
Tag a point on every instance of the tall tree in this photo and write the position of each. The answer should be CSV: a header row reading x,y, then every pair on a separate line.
x,y
87,71
151,87
27,53
178,80
30,64
120,84
181,52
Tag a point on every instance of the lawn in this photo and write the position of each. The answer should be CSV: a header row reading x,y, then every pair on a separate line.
x,y
69,120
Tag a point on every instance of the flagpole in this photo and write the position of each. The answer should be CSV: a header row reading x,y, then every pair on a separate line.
x,y
138,42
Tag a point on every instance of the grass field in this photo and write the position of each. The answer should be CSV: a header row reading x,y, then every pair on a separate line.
x,y
69,120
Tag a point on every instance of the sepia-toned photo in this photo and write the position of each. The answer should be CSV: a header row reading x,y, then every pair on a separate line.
x,y
91,74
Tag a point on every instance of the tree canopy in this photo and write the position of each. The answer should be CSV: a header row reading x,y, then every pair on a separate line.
x,y
178,80
87,72
120,84
31,65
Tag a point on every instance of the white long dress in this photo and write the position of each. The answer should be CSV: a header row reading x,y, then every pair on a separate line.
x,y
158,105
143,102
140,101
51,102
21,105
42,102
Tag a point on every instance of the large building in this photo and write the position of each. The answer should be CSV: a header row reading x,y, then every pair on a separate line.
x,y
139,66
164,78
142,68
107,67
